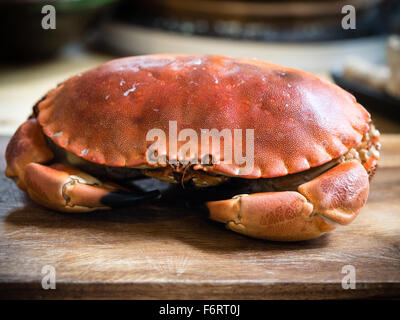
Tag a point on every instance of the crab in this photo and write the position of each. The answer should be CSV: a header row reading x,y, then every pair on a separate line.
x,y
315,147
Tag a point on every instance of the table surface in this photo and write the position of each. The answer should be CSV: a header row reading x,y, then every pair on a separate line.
x,y
158,252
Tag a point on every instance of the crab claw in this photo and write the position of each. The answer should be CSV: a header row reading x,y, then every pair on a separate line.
x,y
340,193
26,145
58,186
65,188
281,216
337,194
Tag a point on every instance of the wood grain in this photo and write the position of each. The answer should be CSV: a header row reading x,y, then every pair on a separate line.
x,y
156,252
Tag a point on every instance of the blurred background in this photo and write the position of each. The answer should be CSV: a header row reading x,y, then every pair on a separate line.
x,y
304,34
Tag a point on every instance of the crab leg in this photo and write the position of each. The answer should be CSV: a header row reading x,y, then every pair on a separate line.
x,y
335,196
59,186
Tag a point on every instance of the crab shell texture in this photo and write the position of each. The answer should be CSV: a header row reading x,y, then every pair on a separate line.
x,y
300,122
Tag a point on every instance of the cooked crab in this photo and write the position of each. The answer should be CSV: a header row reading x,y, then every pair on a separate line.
x,y
315,146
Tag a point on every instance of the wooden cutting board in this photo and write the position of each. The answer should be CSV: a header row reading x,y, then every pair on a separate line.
x,y
154,252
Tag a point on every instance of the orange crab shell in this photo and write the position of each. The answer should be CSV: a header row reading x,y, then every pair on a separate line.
x,y
299,120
